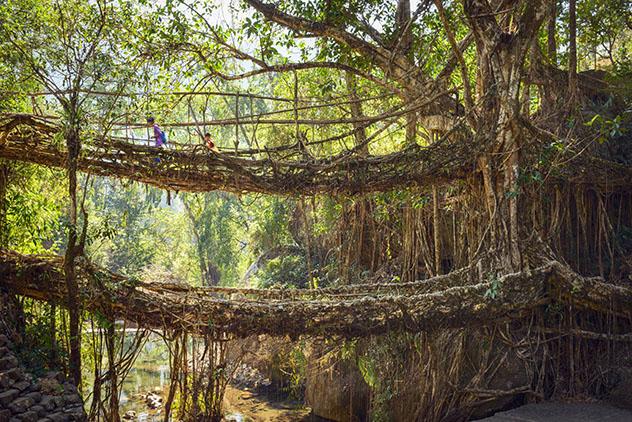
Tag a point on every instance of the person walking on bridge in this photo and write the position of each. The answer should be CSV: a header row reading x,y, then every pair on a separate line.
x,y
159,134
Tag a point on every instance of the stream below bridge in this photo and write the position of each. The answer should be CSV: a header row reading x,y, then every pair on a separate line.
x,y
148,382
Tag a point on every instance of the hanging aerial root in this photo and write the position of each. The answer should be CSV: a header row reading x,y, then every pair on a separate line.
x,y
196,311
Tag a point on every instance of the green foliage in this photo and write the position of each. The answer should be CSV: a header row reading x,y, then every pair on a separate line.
x,y
600,31
494,289
297,364
368,371
34,351
606,128
284,272
216,221
123,234
34,209
101,320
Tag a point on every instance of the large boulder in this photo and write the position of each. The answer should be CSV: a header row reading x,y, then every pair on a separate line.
x,y
335,389
264,363
5,415
506,372
6,397
621,393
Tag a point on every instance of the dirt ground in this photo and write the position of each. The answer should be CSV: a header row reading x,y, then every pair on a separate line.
x,y
248,406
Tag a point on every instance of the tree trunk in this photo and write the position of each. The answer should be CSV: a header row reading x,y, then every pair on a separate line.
x,y
73,145
212,274
4,185
308,243
53,357
356,113
411,123
572,52
402,44
502,46
209,273
404,40
357,231
551,42
436,233
114,393
549,95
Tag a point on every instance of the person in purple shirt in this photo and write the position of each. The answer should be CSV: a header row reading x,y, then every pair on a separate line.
x,y
158,133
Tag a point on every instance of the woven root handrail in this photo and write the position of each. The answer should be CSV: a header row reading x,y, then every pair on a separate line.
x,y
156,306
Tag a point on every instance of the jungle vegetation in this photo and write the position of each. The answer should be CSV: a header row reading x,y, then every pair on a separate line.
x,y
529,99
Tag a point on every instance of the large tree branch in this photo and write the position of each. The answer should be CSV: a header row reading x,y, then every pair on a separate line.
x,y
528,25
290,67
398,68
382,56
482,20
362,24
267,68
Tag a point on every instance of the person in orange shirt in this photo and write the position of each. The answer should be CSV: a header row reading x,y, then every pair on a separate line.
x,y
209,143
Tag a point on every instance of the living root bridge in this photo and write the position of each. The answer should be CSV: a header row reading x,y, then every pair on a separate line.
x,y
196,310
194,169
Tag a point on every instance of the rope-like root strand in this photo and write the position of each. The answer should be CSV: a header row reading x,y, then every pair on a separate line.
x,y
193,310
198,376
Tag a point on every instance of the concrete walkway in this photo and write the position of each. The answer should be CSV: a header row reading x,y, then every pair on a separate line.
x,y
563,412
